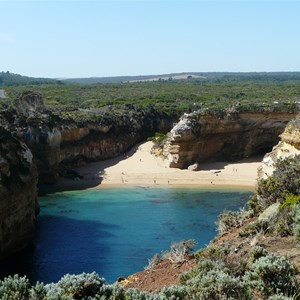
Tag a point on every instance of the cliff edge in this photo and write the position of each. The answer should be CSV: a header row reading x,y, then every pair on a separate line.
x,y
18,194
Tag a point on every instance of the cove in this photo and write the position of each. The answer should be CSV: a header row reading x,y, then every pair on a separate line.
x,y
115,231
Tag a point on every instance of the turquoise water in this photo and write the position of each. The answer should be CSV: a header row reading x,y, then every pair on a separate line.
x,y
115,231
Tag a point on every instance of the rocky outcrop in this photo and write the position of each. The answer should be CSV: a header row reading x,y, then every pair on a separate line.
x,y
18,194
201,136
289,146
63,139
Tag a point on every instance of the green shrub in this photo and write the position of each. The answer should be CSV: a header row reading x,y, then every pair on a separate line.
x,y
174,292
296,225
290,201
179,251
230,220
202,268
217,284
37,292
152,262
280,297
14,288
253,204
255,253
254,228
213,252
271,274
77,286
284,181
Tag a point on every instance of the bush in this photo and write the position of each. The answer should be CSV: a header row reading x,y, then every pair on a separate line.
x,y
213,252
254,228
280,297
288,215
217,284
230,220
76,286
284,181
179,251
290,201
202,268
296,225
255,253
155,260
271,274
174,292
14,288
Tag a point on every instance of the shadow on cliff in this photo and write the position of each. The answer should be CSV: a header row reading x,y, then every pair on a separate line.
x,y
63,245
93,174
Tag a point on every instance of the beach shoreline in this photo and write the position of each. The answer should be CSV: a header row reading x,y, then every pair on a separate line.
x,y
139,168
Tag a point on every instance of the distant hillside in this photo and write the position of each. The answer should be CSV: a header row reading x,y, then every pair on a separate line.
x,y
199,76
11,79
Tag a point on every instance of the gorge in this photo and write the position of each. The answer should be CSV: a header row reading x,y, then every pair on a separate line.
x,y
54,140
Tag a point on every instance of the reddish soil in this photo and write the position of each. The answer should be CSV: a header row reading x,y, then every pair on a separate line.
x,y
163,274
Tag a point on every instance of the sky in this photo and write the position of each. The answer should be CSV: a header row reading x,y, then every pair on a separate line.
x,y
67,39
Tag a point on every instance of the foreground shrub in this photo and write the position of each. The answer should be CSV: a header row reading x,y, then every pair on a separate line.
x,y
213,252
271,274
174,292
230,220
76,286
296,225
255,253
254,228
179,251
280,297
217,284
152,262
202,268
14,288
285,180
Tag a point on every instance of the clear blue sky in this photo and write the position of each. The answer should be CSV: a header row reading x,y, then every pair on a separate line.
x,y
110,38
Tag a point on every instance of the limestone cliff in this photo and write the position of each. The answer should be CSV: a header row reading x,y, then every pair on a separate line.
x,y
18,194
201,136
70,142
289,146
69,136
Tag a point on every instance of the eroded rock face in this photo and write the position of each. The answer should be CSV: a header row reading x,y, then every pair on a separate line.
x,y
289,146
76,143
18,194
44,143
199,137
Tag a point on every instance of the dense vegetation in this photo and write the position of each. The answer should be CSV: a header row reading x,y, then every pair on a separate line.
x,y
175,96
200,76
213,91
11,79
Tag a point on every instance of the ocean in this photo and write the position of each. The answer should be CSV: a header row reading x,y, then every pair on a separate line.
x,y
114,231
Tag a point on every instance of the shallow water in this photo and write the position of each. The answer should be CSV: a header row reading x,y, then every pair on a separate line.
x,y
115,231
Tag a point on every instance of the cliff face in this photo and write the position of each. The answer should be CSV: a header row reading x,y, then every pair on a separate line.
x,y
199,137
289,146
71,142
18,194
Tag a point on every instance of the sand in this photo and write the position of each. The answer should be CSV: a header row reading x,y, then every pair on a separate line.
x,y
139,168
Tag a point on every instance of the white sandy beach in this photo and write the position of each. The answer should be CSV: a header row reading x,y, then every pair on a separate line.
x,y
139,168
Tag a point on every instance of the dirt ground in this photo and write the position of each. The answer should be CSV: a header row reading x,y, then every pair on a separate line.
x,y
166,273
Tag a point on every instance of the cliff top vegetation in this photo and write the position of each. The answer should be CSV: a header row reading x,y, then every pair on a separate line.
x,y
172,96
12,79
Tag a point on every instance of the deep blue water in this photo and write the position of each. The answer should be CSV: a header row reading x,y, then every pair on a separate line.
x,y
115,231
